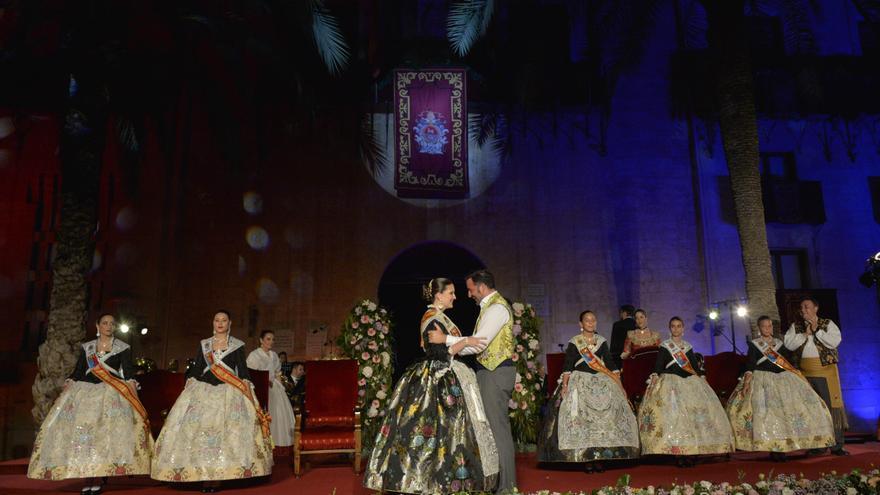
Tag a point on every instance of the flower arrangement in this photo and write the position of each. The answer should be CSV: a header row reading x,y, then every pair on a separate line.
x,y
527,396
366,336
855,482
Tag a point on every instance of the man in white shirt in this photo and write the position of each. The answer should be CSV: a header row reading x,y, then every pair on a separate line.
x,y
496,371
813,343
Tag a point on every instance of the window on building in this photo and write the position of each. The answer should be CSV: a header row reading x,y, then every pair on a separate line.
x,y
790,268
874,187
869,37
779,165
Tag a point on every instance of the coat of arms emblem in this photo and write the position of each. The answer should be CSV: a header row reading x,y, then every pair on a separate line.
x,y
430,132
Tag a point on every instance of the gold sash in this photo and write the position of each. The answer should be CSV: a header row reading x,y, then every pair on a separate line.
x,y
97,368
812,367
228,377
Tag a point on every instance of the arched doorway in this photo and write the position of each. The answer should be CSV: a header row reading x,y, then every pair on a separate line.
x,y
400,291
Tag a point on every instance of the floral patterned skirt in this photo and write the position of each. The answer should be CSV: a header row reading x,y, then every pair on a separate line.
x,y
435,437
780,413
91,431
683,416
212,433
593,422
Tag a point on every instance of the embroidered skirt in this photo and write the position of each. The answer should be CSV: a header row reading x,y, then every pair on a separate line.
x,y
91,431
435,437
683,416
212,433
779,413
593,422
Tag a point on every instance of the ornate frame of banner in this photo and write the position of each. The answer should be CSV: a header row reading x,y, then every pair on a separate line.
x,y
430,122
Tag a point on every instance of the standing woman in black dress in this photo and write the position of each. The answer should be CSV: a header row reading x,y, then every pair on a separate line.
x,y
98,426
216,430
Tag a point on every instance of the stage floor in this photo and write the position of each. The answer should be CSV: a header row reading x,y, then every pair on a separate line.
x,y
337,479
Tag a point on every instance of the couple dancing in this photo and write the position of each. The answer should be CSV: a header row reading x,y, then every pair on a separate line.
x,y
447,428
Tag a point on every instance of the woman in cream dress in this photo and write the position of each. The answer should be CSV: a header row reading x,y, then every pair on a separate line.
x,y
680,414
774,409
264,358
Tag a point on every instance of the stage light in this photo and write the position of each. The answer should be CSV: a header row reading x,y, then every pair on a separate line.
x,y
713,315
877,257
124,328
742,311
144,331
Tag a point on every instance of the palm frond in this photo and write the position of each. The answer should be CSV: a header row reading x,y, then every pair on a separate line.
x,y
466,22
869,9
328,38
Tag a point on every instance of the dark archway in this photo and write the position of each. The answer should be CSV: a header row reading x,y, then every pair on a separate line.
x,y
400,290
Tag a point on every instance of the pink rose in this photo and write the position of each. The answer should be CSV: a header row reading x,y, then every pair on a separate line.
x,y
524,406
365,319
518,387
375,404
512,404
371,332
361,392
377,359
354,326
362,382
365,356
514,358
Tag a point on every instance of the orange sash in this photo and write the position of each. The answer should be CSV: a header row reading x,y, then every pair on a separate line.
x,y
97,368
228,377
679,356
777,359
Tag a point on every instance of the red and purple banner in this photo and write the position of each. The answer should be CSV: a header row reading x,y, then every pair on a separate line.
x,y
430,117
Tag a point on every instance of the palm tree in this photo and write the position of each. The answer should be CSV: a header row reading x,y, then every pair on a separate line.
x,y
618,31
108,84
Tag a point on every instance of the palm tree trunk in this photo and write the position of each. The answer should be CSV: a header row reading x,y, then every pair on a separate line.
x,y
738,119
82,143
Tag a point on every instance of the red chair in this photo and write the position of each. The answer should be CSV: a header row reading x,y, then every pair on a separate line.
x,y
260,379
159,391
555,362
636,370
722,373
332,421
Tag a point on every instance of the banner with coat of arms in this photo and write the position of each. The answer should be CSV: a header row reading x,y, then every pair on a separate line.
x,y
430,122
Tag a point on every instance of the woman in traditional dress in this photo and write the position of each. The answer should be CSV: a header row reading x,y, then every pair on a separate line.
x,y
680,414
589,418
216,430
641,337
435,437
280,409
98,426
774,408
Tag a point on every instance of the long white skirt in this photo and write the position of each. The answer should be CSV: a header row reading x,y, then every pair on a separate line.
x,y
91,431
212,433
683,416
780,413
282,416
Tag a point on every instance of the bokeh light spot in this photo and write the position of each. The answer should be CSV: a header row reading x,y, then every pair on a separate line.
x,y
253,203
267,291
126,218
257,237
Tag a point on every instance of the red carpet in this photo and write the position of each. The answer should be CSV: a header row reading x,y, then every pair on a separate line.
x,y
337,479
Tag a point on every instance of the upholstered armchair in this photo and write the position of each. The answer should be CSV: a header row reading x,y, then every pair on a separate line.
x,y
722,373
330,422
159,391
636,370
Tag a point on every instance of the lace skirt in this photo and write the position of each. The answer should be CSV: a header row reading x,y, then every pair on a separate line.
x,y
683,416
91,431
593,422
780,413
212,433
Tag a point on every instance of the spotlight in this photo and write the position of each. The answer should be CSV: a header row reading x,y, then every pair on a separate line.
x,y
124,328
713,315
144,331
741,311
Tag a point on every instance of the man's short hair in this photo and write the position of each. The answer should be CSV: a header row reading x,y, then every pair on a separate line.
x,y
484,277
811,299
629,309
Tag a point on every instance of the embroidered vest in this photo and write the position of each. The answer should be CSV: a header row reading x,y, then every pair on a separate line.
x,y
502,346
826,354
